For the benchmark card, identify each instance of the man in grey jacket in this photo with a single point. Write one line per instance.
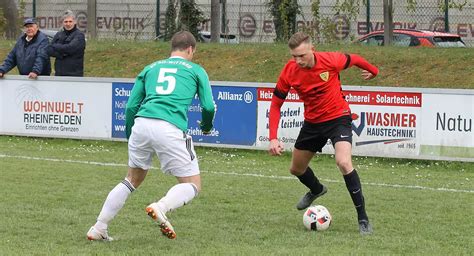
(68, 48)
(29, 53)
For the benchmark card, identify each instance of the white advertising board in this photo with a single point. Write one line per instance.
(290, 122)
(448, 125)
(388, 122)
(384, 123)
(56, 108)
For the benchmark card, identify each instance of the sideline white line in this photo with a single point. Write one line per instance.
(241, 174)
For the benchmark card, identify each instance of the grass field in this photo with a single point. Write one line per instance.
(53, 189)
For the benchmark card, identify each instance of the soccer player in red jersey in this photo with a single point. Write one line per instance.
(315, 77)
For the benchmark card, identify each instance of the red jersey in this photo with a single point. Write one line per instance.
(319, 87)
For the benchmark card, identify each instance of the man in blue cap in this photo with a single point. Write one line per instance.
(29, 53)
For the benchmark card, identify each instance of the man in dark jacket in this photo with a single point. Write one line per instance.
(29, 54)
(68, 48)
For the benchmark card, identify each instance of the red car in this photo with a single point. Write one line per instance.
(411, 37)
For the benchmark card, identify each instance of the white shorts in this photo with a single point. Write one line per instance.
(173, 147)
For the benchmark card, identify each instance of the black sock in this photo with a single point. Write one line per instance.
(355, 190)
(309, 180)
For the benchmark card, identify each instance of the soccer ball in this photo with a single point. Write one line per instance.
(317, 218)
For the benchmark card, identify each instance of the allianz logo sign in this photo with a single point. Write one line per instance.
(247, 96)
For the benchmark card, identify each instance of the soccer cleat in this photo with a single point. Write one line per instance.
(95, 235)
(165, 226)
(365, 228)
(308, 199)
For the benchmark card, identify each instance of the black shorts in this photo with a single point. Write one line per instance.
(313, 137)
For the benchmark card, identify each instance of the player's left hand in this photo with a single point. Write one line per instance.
(366, 75)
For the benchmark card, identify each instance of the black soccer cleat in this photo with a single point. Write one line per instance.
(365, 228)
(308, 198)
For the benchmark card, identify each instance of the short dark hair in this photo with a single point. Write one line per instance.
(182, 40)
(297, 39)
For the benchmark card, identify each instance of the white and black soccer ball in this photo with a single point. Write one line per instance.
(317, 218)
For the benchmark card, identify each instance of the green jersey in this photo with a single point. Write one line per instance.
(164, 90)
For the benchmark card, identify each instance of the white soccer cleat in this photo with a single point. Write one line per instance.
(165, 226)
(95, 235)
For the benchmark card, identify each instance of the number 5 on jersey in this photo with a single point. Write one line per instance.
(166, 75)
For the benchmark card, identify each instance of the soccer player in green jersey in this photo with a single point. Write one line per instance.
(156, 122)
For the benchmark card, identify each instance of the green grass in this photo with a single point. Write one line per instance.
(404, 67)
(52, 191)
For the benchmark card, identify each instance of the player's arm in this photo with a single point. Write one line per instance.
(207, 101)
(134, 101)
(369, 71)
(279, 95)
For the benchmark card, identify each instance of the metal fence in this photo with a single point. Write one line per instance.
(250, 20)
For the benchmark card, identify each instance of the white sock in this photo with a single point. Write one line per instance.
(178, 195)
(114, 202)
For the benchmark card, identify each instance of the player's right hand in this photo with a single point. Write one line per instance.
(276, 147)
(1, 74)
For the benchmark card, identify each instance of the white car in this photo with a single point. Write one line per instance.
(205, 36)
(49, 33)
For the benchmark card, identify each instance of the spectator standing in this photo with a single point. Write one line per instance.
(29, 53)
(68, 47)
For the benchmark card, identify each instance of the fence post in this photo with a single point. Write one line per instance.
(446, 15)
(34, 8)
(387, 22)
(224, 16)
(368, 16)
(91, 18)
(157, 21)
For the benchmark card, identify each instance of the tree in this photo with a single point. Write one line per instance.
(190, 17)
(215, 20)
(170, 21)
(10, 14)
(284, 14)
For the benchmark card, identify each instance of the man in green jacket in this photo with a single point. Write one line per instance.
(156, 122)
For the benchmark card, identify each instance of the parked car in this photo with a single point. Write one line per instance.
(411, 37)
(49, 33)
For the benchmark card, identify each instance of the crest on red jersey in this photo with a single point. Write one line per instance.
(324, 76)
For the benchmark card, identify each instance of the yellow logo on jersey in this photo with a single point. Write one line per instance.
(324, 76)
